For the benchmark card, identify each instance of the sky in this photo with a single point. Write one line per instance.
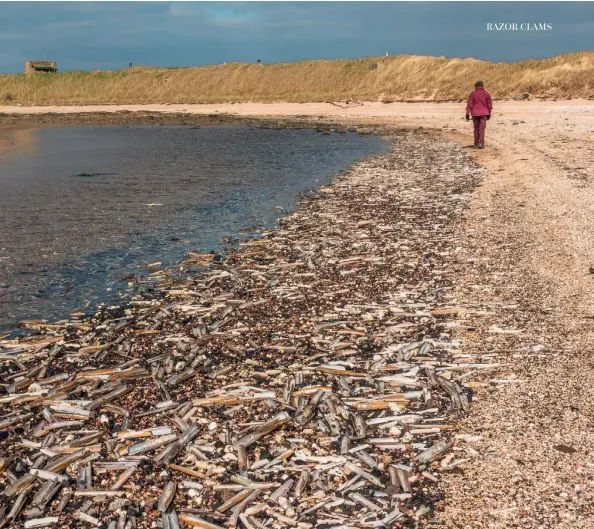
(110, 35)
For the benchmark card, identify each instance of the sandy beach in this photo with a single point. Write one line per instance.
(521, 280)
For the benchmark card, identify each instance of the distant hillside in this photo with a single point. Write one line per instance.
(403, 77)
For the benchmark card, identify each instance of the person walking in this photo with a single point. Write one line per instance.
(479, 106)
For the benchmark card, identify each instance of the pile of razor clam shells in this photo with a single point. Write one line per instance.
(307, 378)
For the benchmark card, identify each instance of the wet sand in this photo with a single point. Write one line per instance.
(8, 132)
(526, 253)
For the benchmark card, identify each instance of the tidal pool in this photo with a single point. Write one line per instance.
(82, 207)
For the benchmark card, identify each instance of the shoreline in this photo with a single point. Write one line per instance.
(363, 109)
(523, 265)
(259, 313)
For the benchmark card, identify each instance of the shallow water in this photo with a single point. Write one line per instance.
(80, 207)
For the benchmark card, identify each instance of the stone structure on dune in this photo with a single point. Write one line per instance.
(40, 67)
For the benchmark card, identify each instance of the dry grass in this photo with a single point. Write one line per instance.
(404, 77)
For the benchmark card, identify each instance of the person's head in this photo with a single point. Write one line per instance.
(478, 83)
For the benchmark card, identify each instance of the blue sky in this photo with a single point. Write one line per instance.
(109, 35)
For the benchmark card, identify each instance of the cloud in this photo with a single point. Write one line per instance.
(108, 35)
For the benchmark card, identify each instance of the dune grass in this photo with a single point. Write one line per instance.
(403, 77)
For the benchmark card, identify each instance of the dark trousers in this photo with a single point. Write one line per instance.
(480, 123)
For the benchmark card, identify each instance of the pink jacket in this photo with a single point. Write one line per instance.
(479, 102)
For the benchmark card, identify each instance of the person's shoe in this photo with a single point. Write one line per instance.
(480, 146)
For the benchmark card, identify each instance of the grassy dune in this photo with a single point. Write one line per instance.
(403, 77)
